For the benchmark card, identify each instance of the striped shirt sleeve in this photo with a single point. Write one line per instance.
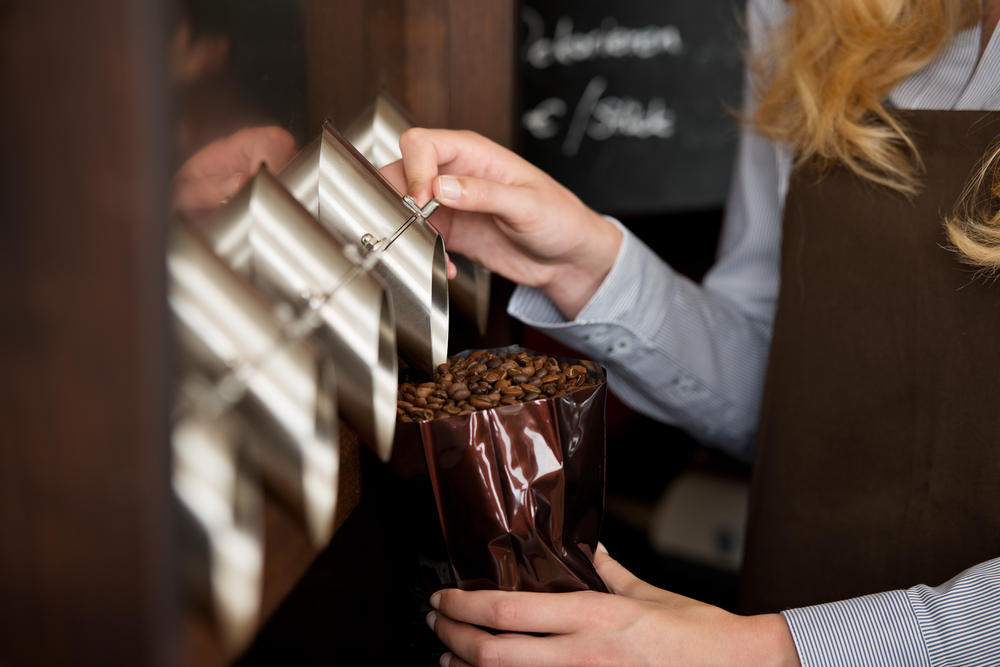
(957, 623)
(666, 343)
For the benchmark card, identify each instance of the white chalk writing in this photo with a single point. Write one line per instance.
(600, 118)
(609, 41)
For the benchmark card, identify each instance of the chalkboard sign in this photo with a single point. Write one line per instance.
(629, 103)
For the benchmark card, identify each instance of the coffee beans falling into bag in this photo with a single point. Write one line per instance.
(484, 380)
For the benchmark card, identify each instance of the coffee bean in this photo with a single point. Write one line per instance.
(484, 380)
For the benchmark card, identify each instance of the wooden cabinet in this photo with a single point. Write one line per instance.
(87, 548)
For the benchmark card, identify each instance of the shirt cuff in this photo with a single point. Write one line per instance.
(876, 630)
(618, 316)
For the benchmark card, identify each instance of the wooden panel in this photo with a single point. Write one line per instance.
(428, 78)
(483, 67)
(354, 48)
(452, 63)
(85, 552)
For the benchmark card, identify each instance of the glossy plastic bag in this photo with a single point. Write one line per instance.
(519, 489)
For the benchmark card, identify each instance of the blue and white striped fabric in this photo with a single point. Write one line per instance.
(695, 356)
(955, 624)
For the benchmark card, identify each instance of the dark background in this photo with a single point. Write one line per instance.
(700, 84)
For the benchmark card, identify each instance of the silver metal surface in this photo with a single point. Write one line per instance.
(353, 200)
(375, 133)
(268, 236)
(376, 130)
(284, 388)
(221, 523)
(470, 291)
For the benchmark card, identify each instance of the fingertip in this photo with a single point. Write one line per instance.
(448, 188)
(452, 270)
(446, 659)
(431, 619)
(603, 549)
(436, 600)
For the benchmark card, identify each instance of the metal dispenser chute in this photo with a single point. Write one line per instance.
(376, 130)
(470, 290)
(375, 133)
(361, 208)
(282, 385)
(221, 522)
(265, 234)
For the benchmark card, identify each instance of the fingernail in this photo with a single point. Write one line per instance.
(445, 660)
(432, 619)
(436, 600)
(602, 548)
(449, 188)
(233, 185)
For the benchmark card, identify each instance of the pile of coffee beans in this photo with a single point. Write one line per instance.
(484, 380)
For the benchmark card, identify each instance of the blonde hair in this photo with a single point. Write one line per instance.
(824, 79)
(974, 227)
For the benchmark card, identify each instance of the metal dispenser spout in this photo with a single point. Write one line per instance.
(283, 386)
(265, 234)
(221, 521)
(360, 208)
(375, 132)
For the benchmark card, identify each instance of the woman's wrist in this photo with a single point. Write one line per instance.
(575, 281)
(767, 642)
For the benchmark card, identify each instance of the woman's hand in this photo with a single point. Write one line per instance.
(507, 215)
(220, 169)
(639, 625)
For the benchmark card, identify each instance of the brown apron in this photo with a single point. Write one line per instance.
(877, 464)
